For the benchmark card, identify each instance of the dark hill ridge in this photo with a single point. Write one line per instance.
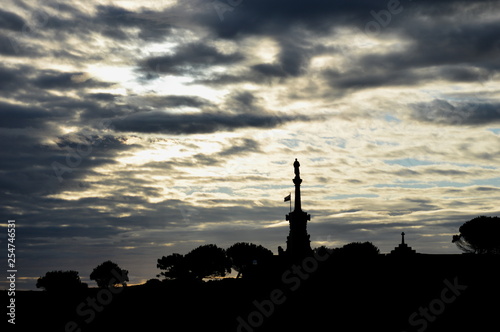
(382, 293)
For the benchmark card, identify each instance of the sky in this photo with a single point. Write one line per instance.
(131, 130)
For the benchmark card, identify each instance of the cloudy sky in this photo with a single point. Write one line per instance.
(135, 129)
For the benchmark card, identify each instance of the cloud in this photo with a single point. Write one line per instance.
(188, 58)
(10, 21)
(421, 93)
(62, 81)
(247, 145)
(198, 123)
(188, 101)
(443, 112)
(16, 116)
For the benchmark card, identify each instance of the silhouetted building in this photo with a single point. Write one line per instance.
(403, 249)
(298, 244)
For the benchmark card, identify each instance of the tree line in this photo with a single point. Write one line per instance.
(480, 235)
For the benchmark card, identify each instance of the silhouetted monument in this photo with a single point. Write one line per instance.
(403, 249)
(298, 244)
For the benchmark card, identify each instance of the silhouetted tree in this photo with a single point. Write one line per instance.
(153, 283)
(323, 251)
(175, 266)
(109, 274)
(358, 249)
(208, 261)
(204, 261)
(480, 235)
(244, 254)
(61, 282)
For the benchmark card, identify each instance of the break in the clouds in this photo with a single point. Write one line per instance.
(131, 131)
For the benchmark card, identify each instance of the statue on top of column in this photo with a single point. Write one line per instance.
(296, 165)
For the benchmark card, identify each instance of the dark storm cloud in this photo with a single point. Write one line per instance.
(240, 147)
(56, 80)
(443, 112)
(188, 57)
(31, 82)
(172, 101)
(438, 44)
(464, 74)
(102, 96)
(436, 48)
(16, 116)
(234, 147)
(153, 25)
(197, 123)
(269, 70)
(292, 61)
(244, 102)
(110, 21)
(262, 17)
(9, 79)
(189, 101)
(7, 46)
(10, 21)
(33, 173)
(357, 79)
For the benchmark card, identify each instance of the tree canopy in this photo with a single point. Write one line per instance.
(201, 262)
(109, 274)
(480, 235)
(60, 281)
(243, 254)
(359, 249)
(175, 267)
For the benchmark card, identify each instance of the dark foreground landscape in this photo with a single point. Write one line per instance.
(420, 293)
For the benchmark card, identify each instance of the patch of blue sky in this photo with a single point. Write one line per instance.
(409, 162)
(224, 190)
(291, 143)
(412, 162)
(382, 143)
(488, 182)
(495, 182)
(352, 196)
(494, 130)
(472, 165)
(450, 184)
(410, 185)
(391, 118)
(266, 187)
(336, 141)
